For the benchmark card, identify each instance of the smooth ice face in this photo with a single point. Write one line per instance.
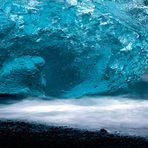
(70, 48)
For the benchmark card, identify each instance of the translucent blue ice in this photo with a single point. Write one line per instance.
(70, 48)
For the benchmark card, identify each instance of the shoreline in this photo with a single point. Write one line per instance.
(33, 135)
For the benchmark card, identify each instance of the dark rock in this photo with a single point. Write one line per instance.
(28, 135)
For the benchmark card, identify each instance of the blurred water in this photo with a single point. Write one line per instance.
(127, 114)
(115, 114)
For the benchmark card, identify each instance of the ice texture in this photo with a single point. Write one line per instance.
(71, 48)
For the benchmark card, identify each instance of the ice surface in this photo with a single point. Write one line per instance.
(70, 48)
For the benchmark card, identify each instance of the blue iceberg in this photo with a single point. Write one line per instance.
(71, 48)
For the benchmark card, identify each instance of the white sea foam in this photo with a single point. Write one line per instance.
(121, 114)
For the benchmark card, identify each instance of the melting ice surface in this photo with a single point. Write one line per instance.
(69, 48)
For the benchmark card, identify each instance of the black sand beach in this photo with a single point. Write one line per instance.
(32, 135)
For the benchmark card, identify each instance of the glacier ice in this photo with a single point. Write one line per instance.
(70, 48)
(23, 76)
